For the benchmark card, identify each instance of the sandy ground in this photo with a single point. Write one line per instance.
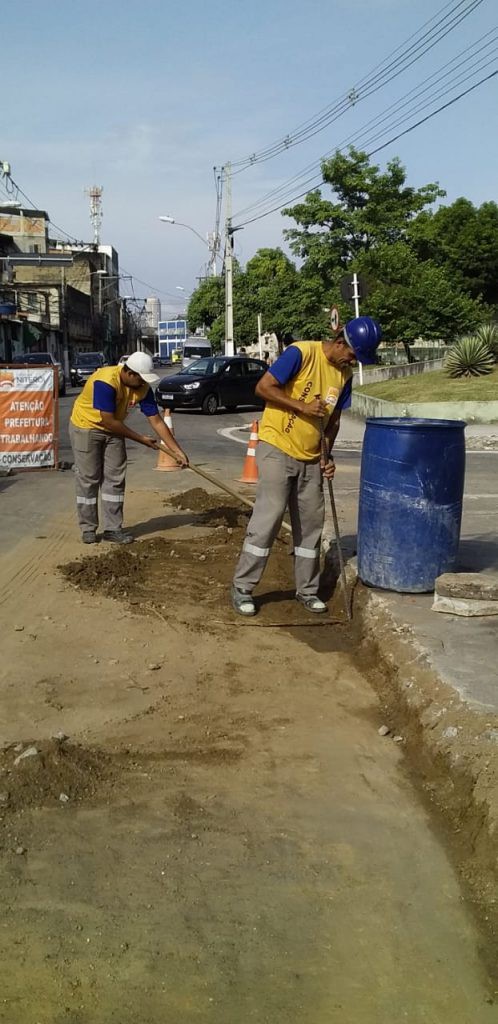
(235, 841)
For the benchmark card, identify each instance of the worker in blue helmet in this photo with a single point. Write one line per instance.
(309, 382)
(363, 335)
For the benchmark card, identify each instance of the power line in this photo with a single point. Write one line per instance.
(363, 136)
(380, 76)
(151, 287)
(394, 138)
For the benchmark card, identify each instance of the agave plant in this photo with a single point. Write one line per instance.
(470, 356)
(489, 334)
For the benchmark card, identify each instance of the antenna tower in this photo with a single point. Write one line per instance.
(95, 195)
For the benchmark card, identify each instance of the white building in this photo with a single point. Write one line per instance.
(152, 313)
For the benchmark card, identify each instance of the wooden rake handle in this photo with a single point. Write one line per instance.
(214, 480)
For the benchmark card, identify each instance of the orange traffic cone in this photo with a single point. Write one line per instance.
(250, 469)
(165, 462)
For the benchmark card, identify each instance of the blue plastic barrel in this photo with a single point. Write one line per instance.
(410, 511)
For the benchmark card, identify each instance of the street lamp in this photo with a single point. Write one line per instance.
(211, 242)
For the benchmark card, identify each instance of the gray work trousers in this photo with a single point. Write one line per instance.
(284, 481)
(99, 463)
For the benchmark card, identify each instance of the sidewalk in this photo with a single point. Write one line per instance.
(479, 436)
(463, 652)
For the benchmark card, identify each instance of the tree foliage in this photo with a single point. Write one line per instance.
(430, 274)
(372, 208)
(463, 239)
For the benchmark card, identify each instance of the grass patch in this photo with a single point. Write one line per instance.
(435, 387)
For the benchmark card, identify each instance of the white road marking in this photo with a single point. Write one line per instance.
(228, 433)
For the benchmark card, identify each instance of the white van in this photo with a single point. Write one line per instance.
(195, 348)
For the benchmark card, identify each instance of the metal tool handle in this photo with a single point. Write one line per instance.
(217, 483)
(342, 569)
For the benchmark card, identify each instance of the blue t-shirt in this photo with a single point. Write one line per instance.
(104, 399)
(288, 365)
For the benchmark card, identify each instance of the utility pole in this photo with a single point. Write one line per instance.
(229, 340)
(260, 334)
(213, 240)
(64, 325)
(356, 300)
(229, 232)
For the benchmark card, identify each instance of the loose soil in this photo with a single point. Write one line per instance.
(57, 768)
(191, 578)
(239, 843)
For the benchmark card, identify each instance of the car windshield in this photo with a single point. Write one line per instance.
(43, 358)
(191, 351)
(203, 367)
(89, 359)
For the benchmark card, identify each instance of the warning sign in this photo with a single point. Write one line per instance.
(28, 417)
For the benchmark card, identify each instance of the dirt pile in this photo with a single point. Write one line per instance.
(210, 509)
(49, 772)
(190, 578)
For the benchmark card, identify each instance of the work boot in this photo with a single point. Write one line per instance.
(117, 537)
(312, 603)
(89, 537)
(242, 602)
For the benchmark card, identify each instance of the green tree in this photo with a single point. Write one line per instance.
(267, 286)
(371, 208)
(206, 303)
(288, 299)
(464, 239)
(416, 298)
(380, 226)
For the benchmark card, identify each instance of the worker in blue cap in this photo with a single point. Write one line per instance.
(310, 382)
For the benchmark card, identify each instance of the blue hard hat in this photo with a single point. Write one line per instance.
(363, 335)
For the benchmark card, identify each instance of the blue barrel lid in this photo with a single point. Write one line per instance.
(408, 423)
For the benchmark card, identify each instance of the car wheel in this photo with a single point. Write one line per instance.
(231, 408)
(210, 405)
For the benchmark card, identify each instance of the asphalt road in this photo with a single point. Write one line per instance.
(197, 433)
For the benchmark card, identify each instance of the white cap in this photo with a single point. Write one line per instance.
(142, 364)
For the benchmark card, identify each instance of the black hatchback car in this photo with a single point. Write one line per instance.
(211, 382)
(84, 364)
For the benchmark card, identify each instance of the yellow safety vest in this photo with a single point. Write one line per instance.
(293, 432)
(86, 417)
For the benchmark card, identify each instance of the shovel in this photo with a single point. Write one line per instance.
(344, 586)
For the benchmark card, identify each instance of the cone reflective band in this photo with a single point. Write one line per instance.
(166, 463)
(250, 469)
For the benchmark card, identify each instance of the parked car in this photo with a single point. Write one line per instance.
(84, 364)
(43, 359)
(159, 360)
(209, 383)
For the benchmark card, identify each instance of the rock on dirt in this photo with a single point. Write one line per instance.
(384, 730)
(29, 752)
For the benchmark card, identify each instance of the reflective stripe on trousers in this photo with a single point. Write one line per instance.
(284, 482)
(99, 464)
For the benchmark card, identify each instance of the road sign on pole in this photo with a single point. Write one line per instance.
(334, 317)
(353, 288)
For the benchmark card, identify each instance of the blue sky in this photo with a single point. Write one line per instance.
(145, 98)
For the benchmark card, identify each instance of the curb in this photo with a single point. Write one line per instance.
(451, 746)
